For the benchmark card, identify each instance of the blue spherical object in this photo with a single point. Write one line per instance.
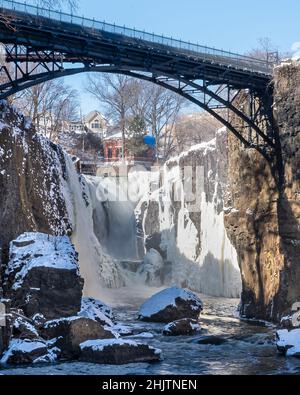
(150, 140)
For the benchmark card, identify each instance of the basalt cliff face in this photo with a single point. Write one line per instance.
(262, 220)
(32, 171)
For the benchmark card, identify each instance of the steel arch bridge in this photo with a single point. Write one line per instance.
(40, 45)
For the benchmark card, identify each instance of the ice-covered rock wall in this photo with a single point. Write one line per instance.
(184, 221)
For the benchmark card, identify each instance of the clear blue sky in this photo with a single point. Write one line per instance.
(234, 25)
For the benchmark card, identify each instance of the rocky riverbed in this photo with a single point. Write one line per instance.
(235, 347)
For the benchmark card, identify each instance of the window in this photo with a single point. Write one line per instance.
(109, 153)
(96, 125)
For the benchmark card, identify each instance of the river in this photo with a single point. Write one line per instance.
(249, 350)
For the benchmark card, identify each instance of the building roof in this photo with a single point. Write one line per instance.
(92, 115)
(114, 136)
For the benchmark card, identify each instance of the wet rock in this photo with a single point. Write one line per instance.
(118, 352)
(43, 276)
(288, 342)
(184, 327)
(212, 340)
(71, 332)
(170, 305)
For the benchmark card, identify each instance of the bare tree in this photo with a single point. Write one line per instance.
(116, 93)
(49, 105)
(163, 108)
(266, 50)
(196, 128)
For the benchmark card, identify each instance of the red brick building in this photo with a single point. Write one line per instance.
(112, 147)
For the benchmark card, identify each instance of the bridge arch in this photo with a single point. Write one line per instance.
(211, 80)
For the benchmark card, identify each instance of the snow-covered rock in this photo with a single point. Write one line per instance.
(23, 329)
(170, 305)
(184, 327)
(152, 269)
(118, 352)
(71, 332)
(27, 352)
(43, 276)
(97, 311)
(288, 342)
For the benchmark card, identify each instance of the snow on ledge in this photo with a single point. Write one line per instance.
(32, 250)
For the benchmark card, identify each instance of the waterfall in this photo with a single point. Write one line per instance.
(97, 267)
(113, 209)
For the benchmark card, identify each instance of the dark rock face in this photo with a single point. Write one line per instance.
(184, 327)
(71, 332)
(43, 276)
(31, 168)
(170, 305)
(263, 223)
(118, 352)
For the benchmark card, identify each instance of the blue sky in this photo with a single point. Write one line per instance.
(234, 25)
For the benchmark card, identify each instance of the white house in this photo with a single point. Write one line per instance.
(94, 122)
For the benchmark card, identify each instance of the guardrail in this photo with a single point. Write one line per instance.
(222, 57)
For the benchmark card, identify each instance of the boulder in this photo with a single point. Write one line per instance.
(118, 352)
(288, 342)
(71, 332)
(43, 276)
(184, 327)
(24, 352)
(212, 340)
(171, 304)
(97, 311)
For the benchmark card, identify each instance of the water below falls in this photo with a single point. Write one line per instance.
(249, 349)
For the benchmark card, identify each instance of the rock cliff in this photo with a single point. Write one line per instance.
(262, 219)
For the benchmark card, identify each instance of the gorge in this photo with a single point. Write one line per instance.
(238, 235)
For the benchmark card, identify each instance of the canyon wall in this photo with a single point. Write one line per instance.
(32, 171)
(184, 221)
(263, 221)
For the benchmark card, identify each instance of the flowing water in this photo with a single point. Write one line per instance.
(249, 349)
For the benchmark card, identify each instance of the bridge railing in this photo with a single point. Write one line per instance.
(206, 53)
